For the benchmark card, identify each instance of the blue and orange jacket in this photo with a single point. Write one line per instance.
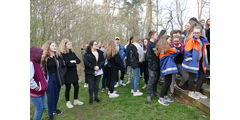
(192, 55)
(167, 64)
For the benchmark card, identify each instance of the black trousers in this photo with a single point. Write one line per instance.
(112, 77)
(145, 71)
(208, 53)
(93, 85)
(152, 81)
(68, 88)
(121, 76)
(166, 85)
(86, 81)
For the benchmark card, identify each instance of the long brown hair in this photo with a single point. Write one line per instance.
(207, 26)
(111, 50)
(162, 44)
(189, 33)
(46, 48)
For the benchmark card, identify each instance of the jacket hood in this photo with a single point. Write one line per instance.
(36, 54)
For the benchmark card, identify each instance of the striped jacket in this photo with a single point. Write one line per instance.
(192, 55)
(167, 64)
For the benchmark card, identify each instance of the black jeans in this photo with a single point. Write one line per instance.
(86, 81)
(145, 71)
(152, 81)
(200, 81)
(166, 85)
(68, 88)
(112, 77)
(93, 85)
(104, 78)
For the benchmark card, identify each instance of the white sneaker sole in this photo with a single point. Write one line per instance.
(194, 97)
(113, 96)
(162, 103)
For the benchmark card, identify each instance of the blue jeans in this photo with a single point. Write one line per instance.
(39, 105)
(136, 72)
(104, 77)
(52, 93)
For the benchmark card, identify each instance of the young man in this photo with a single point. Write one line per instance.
(123, 53)
(153, 66)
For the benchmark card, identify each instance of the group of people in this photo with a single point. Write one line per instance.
(180, 54)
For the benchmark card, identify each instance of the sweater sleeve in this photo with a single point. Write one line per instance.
(33, 84)
(77, 59)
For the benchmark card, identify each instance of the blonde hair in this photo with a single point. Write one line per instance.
(189, 33)
(111, 49)
(162, 44)
(46, 48)
(207, 25)
(62, 46)
(105, 44)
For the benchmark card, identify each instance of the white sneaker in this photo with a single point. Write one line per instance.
(113, 92)
(137, 93)
(85, 85)
(144, 86)
(133, 91)
(77, 102)
(128, 82)
(202, 96)
(69, 104)
(193, 95)
(122, 83)
(116, 85)
(113, 95)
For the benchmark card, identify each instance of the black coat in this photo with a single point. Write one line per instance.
(132, 57)
(153, 60)
(115, 63)
(90, 61)
(71, 75)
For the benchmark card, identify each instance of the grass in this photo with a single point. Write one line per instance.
(125, 107)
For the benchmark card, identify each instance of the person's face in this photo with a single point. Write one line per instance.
(188, 27)
(99, 45)
(197, 33)
(69, 45)
(169, 40)
(95, 46)
(155, 36)
(117, 41)
(53, 47)
(176, 41)
(203, 22)
(165, 33)
(208, 21)
(145, 42)
(174, 34)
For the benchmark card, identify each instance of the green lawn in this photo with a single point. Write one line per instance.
(125, 107)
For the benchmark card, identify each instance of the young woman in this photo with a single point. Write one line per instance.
(71, 76)
(114, 63)
(135, 57)
(166, 52)
(38, 84)
(144, 63)
(195, 62)
(105, 71)
(178, 60)
(53, 65)
(128, 67)
(93, 61)
(83, 51)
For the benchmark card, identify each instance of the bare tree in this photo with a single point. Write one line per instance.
(201, 5)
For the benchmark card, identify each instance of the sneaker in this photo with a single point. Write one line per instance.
(77, 102)
(113, 95)
(57, 111)
(116, 85)
(122, 83)
(194, 96)
(50, 117)
(90, 102)
(202, 96)
(133, 91)
(163, 102)
(173, 95)
(168, 99)
(180, 87)
(145, 86)
(85, 85)
(69, 104)
(113, 92)
(137, 93)
(149, 98)
(128, 82)
(103, 90)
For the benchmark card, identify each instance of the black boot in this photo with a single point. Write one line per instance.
(97, 100)
(90, 101)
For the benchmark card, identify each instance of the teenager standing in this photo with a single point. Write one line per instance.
(38, 84)
(71, 76)
(93, 61)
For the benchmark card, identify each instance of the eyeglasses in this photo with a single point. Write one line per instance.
(196, 33)
(95, 44)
